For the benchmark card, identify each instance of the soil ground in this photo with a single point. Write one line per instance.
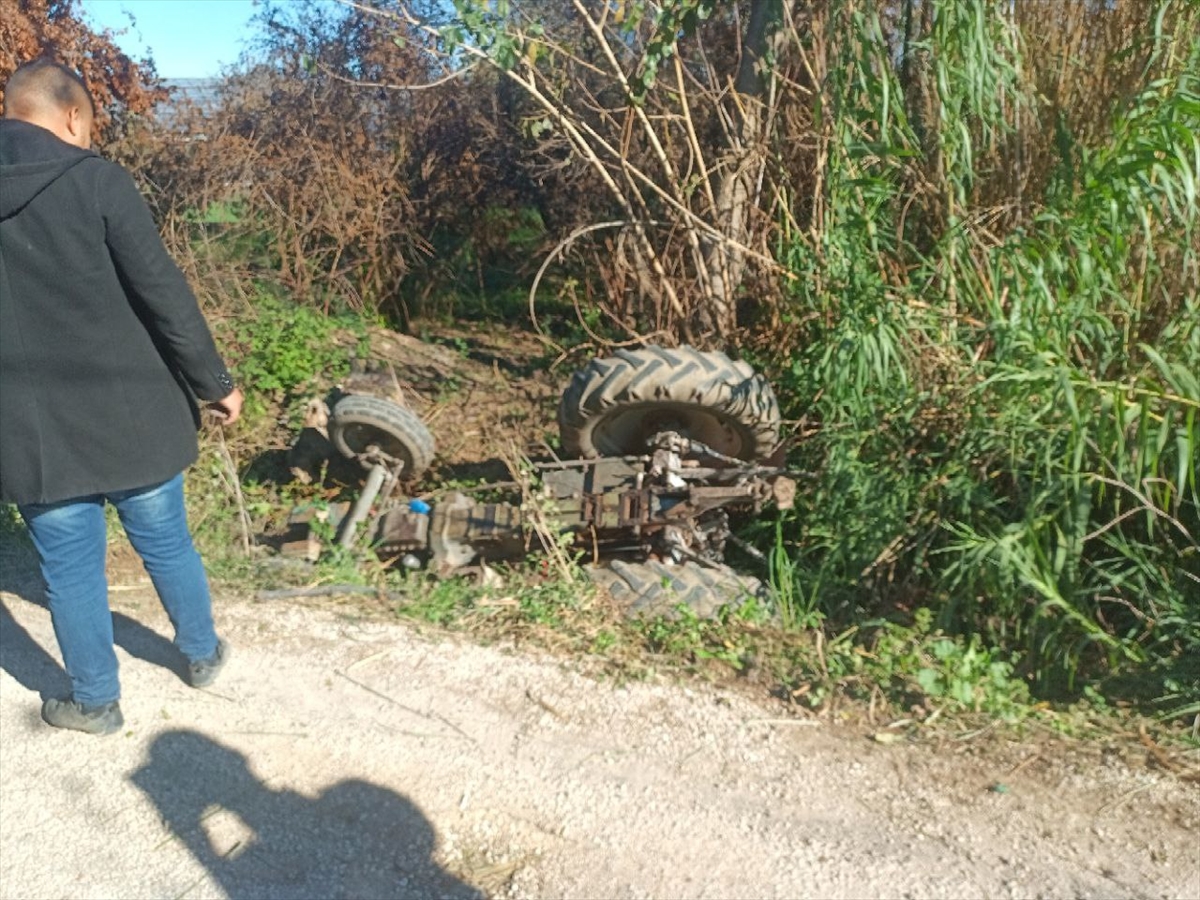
(340, 756)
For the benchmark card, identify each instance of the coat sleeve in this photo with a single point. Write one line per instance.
(157, 288)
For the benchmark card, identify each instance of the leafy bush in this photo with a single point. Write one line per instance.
(286, 350)
(1007, 417)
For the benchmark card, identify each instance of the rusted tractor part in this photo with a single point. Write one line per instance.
(452, 536)
(302, 539)
(379, 476)
(615, 406)
(649, 506)
(667, 505)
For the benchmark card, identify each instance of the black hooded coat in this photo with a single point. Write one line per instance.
(103, 348)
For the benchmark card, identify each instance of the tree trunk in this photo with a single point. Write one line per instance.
(737, 188)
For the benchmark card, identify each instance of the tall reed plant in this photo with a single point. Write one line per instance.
(1004, 386)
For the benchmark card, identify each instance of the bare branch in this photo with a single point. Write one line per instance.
(423, 86)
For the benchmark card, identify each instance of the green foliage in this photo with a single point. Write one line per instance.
(1093, 396)
(1008, 426)
(531, 601)
(481, 267)
(481, 24)
(921, 665)
(221, 212)
(288, 349)
(674, 20)
(957, 671)
(443, 602)
(687, 636)
(546, 603)
(796, 598)
(520, 230)
(10, 521)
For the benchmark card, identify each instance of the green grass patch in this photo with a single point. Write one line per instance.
(286, 350)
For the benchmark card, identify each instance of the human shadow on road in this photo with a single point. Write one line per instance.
(355, 839)
(27, 661)
(21, 656)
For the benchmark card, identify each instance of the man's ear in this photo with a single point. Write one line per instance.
(79, 127)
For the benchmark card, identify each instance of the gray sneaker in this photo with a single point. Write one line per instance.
(105, 719)
(204, 672)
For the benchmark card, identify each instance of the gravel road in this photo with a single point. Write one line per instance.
(343, 758)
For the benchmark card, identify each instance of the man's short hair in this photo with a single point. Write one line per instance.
(44, 83)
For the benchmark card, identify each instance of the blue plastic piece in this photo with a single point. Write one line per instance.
(419, 506)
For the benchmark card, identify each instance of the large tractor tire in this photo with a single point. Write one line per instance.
(653, 588)
(613, 406)
(358, 422)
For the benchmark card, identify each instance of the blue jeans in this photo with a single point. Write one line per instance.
(71, 540)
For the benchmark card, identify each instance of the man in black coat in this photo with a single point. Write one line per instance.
(103, 355)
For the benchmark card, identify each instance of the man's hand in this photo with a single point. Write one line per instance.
(228, 408)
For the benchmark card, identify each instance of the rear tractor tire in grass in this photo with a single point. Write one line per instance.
(615, 405)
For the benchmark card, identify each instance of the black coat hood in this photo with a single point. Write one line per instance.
(31, 159)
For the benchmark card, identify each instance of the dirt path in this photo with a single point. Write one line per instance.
(347, 759)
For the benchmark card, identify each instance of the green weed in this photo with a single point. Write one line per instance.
(913, 667)
(797, 601)
(11, 522)
(687, 636)
(444, 602)
(287, 350)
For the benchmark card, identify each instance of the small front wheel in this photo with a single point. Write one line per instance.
(359, 423)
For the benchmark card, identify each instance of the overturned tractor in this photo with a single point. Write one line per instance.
(662, 446)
